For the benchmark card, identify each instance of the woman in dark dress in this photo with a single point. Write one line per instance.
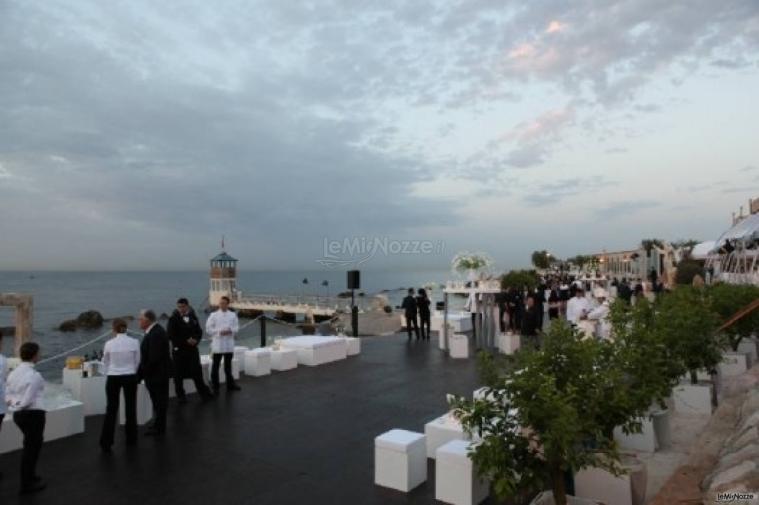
(423, 306)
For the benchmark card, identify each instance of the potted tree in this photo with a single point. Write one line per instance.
(727, 300)
(686, 325)
(548, 415)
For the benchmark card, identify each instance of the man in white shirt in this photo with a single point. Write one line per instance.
(24, 398)
(577, 307)
(222, 326)
(3, 375)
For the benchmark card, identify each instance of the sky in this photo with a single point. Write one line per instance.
(135, 134)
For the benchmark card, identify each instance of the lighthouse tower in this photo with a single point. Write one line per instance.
(223, 278)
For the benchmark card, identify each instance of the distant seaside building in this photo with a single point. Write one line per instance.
(636, 263)
(223, 278)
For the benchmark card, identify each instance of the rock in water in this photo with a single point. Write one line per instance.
(69, 325)
(90, 319)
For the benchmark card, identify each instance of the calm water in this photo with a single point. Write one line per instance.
(63, 295)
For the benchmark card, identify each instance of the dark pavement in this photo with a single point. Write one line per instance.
(302, 436)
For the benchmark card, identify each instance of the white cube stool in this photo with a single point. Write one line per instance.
(258, 362)
(400, 461)
(239, 355)
(284, 359)
(144, 406)
(442, 430)
(353, 345)
(456, 479)
(645, 441)
(206, 362)
(459, 346)
(508, 343)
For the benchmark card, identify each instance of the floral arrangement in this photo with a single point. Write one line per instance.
(466, 261)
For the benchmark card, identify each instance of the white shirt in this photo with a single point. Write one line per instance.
(216, 323)
(121, 355)
(472, 304)
(575, 307)
(601, 314)
(24, 388)
(3, 375)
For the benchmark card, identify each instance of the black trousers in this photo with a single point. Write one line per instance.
(32, 425)
(185, 367)
(114, 384)
(159, 396)
(411, 319)
(227, 368)
(424, 320)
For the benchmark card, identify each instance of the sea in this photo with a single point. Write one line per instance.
(59, 296)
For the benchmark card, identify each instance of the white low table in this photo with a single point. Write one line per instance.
(258, 362)
(315, 350)
(284, 359)
(442, 430)
(88, 390)
(64, 417)
(399, 460)
(456, 479)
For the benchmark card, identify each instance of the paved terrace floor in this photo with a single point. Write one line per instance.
(302, 436)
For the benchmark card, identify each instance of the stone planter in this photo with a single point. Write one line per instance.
(749, 346)
(546, 498)
(628, 489)
(693, 399)
(459, 346)
(734, 363)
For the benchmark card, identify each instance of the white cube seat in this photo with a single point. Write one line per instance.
(144, 406)
(456, 480)
(508, 343)
(459, 346)
(317, 350)
(352, 345)
(284, 359)
(442, 430)
(400, 460)
(206, 362)
(239, 355)
(258, 362)
(64, 417)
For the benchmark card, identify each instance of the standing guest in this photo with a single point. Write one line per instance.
(540, 299)
(516, 307)
(410, 309)
(531, 321)
(623, 291)
(222, 326)
(121, 358)
(501, 299)
(578, 307)
(185, 333)
(155, 369)
(554, 304)
(24, 397)
(564, 296)
(600, 314)
(3, 375)
(423, 305)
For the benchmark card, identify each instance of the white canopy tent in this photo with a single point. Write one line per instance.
(733, 258)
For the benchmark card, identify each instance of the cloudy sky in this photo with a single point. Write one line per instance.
(133, 134)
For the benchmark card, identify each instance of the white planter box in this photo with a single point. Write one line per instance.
(258, 362)
(144, 406)
(693, 399)
(645, 441)
(461, 322)
(400, 461)
(442, 430)
(508, 344)
(64, 417)
(456, 479)
(546, 498)
(239, 355)
(459, 346)
(284, 359)
(315, 350)
(598, 484)
(662, 429)
(88, 390)
(733, 363)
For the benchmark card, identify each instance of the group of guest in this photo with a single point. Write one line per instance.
(416, 309)
(161, 355)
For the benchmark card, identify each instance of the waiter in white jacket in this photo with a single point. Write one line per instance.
(577, 307)
(222, 326)
(24, 398)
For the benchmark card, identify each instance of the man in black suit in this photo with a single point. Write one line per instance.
(531, 322)
(409, 306)
(155, 369)
(185, 333)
